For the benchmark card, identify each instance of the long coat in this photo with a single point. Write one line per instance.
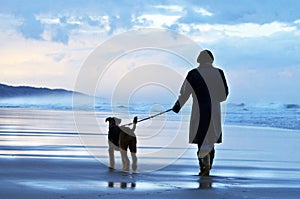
(208, 87)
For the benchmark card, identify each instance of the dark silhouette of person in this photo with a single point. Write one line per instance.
(208, 87)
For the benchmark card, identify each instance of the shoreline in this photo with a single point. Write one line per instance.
(107, 113)
(260, 127)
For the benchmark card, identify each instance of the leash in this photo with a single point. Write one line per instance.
(150, 117)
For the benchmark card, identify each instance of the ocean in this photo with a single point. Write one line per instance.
(275, 115)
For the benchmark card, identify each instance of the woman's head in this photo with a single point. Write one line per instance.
(205, 56)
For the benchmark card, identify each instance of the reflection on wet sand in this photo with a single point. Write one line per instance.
(122, 185)
(205, 182)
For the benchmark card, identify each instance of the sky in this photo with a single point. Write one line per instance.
(257, 43)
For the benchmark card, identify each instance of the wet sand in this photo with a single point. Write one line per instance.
(47, 160)
(44, 178)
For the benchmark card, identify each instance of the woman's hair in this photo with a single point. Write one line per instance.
(205, 56)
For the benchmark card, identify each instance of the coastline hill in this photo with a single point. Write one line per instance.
(7, 91)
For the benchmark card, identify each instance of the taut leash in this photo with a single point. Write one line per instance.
(147, 118)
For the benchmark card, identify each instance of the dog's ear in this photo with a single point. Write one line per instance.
(117, 120)
(108, 119)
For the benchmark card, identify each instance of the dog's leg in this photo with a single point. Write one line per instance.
(111, 154)
(134, 162)
(111, 158)
(125, 160)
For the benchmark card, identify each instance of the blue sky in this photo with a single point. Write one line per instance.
(257, 43)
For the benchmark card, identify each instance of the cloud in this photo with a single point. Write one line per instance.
(38, 18)
(57, 21)
(45, 42)
(41, 62)
(248, 30)
(169, 8)
(203, 12)
(156, 20)
(31, 28)
(276, 51)
(214, 32)
(235, 11)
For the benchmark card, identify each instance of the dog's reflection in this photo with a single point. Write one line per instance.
(122, 185)
(205, 182)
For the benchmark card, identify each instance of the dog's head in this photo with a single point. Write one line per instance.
(113, 121)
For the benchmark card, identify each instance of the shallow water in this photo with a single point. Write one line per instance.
(248, 157)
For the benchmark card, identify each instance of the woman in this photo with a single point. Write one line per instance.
(208, 87)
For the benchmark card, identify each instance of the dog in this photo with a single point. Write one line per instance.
(120, 138)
